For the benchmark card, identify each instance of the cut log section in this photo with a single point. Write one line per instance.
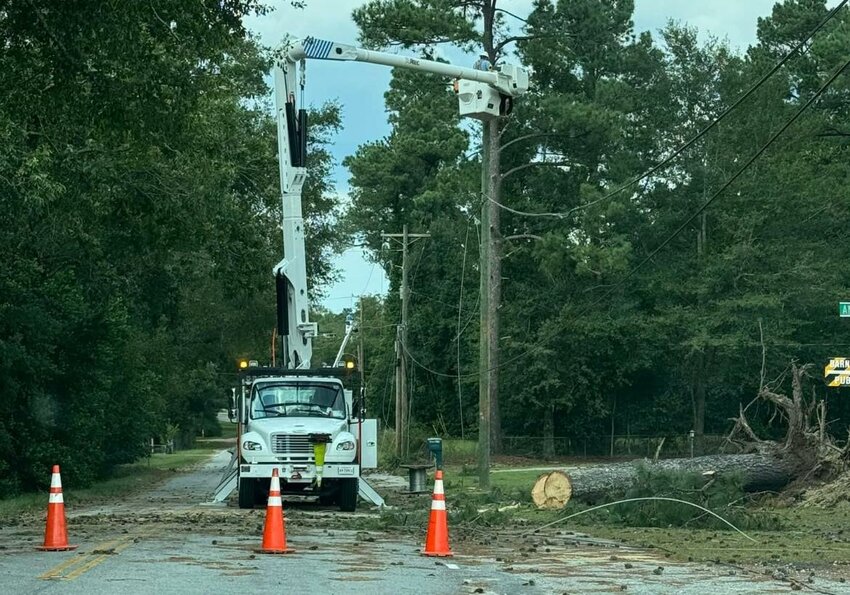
(552, 490)
(760, 472)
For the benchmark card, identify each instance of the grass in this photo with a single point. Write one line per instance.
(459, 451)
(125, 479)
(804, 536)
(515, 484)
(228, 430)
(455, 452)
(810, 536)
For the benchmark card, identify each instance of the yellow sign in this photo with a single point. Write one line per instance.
(836, 364)
(837, 372)
(841, 380)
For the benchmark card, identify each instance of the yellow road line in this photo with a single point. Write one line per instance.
(57, 570)
(95, 561)
(76, 566)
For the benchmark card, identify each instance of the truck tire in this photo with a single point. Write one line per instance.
(328, 495)
(347, 497)
(247, 492)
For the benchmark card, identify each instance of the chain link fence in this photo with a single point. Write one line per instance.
(675, 445)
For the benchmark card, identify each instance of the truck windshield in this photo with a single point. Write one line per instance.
(298, 400)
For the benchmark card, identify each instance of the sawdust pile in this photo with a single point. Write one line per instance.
(829, 494)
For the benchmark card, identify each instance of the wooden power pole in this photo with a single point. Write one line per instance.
(490, 296)
(484, 295)
(402, 398)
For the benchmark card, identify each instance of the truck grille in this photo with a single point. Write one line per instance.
(288, 444)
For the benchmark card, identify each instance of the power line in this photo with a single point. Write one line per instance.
(702, 208)
(698, 136)
(728, 182)
(546, 338)
(418, 262)
(366, 286)
(431, 298)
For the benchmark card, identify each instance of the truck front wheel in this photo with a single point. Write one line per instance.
(247, 492)
(328, 495)
(347, 498)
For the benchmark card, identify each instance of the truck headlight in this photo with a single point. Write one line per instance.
(345, 445)
(250, 445)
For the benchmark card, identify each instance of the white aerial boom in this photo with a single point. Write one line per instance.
(483, 93)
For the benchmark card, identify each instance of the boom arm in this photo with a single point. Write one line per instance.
(510, 80)
(293, 306)
(482, 94)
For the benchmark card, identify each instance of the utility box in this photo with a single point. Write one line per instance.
(369, 444)
(435, 447)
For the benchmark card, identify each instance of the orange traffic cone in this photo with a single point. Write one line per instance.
(437, 539)
(56, 534)
(274, 531)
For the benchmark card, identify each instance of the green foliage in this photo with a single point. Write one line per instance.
(139, 201)
(679, 345)
(409, 23)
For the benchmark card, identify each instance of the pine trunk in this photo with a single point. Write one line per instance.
(591, 484)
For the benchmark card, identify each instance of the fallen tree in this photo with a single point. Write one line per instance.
(590, 484)
(806, 453)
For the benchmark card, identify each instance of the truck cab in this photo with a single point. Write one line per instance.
(306, 425)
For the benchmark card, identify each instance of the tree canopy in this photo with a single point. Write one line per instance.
(590, 342)
(139, 218)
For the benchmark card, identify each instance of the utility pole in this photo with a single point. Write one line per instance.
(402, 398)
(490, 292)
(399, 426)
(484, 298)
(361, 361)
(361, 356)
(494, 300)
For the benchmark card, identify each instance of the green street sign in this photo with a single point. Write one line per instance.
(844, 309)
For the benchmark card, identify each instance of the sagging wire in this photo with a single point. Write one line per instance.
(643, 499)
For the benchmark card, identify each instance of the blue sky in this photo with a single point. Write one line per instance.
(359, 88)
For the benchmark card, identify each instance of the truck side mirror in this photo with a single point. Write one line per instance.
(358, 406)
(231, 409)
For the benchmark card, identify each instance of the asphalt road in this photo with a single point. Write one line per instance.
(163, 541)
